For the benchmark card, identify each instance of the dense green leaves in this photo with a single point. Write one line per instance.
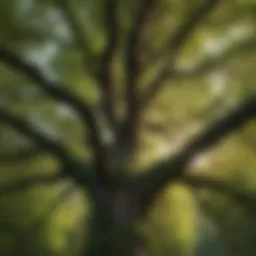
(213, 70)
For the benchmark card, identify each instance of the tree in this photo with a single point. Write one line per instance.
(129, 68)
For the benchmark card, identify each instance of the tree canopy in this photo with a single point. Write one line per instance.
(127, 127)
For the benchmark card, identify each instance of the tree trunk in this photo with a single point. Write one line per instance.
(112, 225)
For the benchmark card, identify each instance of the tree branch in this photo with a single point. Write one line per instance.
(132, 72)
(54, 90)
(81, 173)
(40, 139)
(106, 80)
(58, 93)
(152, 181)
(175, 44)
(210, 64)
(78, 32)
(26, 183)
(105, 76)
(242, 198)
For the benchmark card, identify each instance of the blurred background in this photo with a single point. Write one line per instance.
(215, 71)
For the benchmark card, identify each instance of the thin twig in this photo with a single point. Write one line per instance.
(79, 34)
(211, 64)
(175, 45)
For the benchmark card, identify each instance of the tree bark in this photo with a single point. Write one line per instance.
(112, 221)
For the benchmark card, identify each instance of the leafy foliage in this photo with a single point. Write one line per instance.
(188, 72)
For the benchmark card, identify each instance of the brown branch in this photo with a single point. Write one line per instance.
(78, 32)
(37, 137)
(106, 81)
(175, 45)
(54, 90)
(58, 93)
(105, 76)
(179, 38)
(154, 180)
(216, 185)
(80, 173)
(132, 72)
(210, 64)
(29, 182)
(244, 199)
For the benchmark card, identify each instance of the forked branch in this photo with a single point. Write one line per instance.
(37, 137)
(175, 45)
(71, 168)
(155, 179)
(58, 93)
(54, 90)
